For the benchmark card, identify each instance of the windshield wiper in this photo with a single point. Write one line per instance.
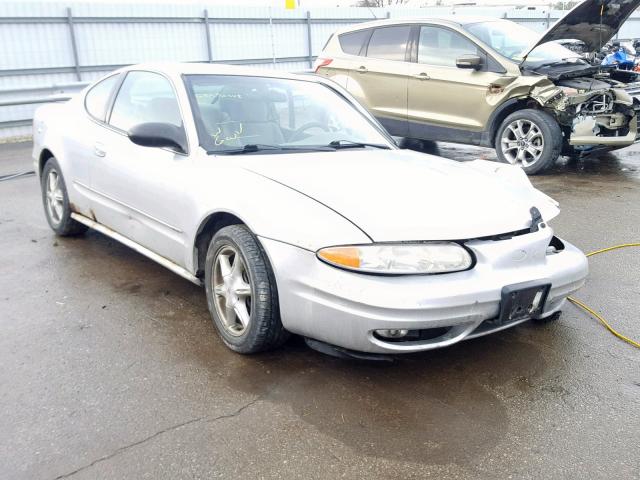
(259, 147)
(349, 144)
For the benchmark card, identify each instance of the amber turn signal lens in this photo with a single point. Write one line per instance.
(342, 256)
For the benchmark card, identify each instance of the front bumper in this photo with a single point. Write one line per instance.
(612, 142)
(345, 308)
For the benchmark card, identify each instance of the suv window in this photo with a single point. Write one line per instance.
(389, 43)
(145, 97)
(97, 99)
(352, 43)
(441, 46)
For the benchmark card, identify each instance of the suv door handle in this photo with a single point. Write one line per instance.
(421, 76)
(98, 150)
(362, 69)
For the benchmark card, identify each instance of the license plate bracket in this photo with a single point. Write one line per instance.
(523, 300)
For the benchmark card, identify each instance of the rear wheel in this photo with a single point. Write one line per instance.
(242, 293)
(530, 139)
(56, 201)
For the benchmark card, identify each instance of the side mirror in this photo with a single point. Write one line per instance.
(159, 135)
(469, 61)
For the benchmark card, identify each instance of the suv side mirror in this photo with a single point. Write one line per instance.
(159, 135)
(469, 61)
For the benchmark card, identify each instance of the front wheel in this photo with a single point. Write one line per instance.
(241, 292)
(530, 139)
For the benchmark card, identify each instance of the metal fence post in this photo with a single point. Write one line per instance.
(309, 39)
(74, 46)
(548, 19)
(388, 14)
(208, 35)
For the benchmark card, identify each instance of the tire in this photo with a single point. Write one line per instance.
(422, 146)
(554, 317)
(55, 201)
(244, 301)
(534, 154)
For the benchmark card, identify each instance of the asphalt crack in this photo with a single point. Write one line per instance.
(120, 450)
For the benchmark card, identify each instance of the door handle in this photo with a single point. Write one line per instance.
(422, 76)
(98, 150)
(362, 69)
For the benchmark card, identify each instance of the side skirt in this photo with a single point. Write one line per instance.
(425, 131)
(137, 247)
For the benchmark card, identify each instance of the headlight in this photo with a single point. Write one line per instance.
(399, 259)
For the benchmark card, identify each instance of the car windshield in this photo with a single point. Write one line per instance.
(248, 114)
(513, 41)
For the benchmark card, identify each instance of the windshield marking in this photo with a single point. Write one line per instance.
(218, 139)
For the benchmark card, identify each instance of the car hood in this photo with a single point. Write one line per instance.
(400, 195)
(595, 22)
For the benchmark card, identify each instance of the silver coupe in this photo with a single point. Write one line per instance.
(298, 213)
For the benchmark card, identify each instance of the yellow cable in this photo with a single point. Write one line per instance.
(604, 322)
(615, 247)
(596, 314)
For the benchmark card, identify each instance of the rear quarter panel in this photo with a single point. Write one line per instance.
(62, 129)
(341, 63)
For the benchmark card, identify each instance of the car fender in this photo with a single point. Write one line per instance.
(270, 210)
(46, 136)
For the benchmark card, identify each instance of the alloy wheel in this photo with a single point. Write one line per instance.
(54, 197)
(232, 290)
(522, 143)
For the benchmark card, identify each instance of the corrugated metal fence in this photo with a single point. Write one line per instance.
(57, 47)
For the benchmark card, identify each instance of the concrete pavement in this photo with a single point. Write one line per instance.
(111, 367)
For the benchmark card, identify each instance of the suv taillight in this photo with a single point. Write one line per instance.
(321, 62)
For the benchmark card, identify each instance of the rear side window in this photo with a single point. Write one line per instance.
(145, 97)
(389, 43)
(352, 43)
(97, 99)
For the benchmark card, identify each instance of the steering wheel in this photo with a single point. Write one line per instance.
(299, 131)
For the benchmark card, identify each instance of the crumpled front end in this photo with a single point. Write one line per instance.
(351, 310)
(596, 117)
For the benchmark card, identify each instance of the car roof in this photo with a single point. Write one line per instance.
(451, 20)
(176, 69)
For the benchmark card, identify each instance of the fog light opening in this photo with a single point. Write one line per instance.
(392, 333)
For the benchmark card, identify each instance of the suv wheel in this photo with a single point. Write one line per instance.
(530, 139)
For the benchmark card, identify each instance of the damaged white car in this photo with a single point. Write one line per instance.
(298, 213)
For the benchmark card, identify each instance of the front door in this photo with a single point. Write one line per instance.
(140, 192)
(444, 97)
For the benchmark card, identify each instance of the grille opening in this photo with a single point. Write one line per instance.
(555, 246)
(416, 335)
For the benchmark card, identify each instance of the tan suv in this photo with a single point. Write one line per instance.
(492, 82)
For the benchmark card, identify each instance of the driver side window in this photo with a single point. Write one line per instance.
(440, 46)
(145, 97)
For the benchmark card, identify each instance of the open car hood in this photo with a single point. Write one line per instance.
(595, 22)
